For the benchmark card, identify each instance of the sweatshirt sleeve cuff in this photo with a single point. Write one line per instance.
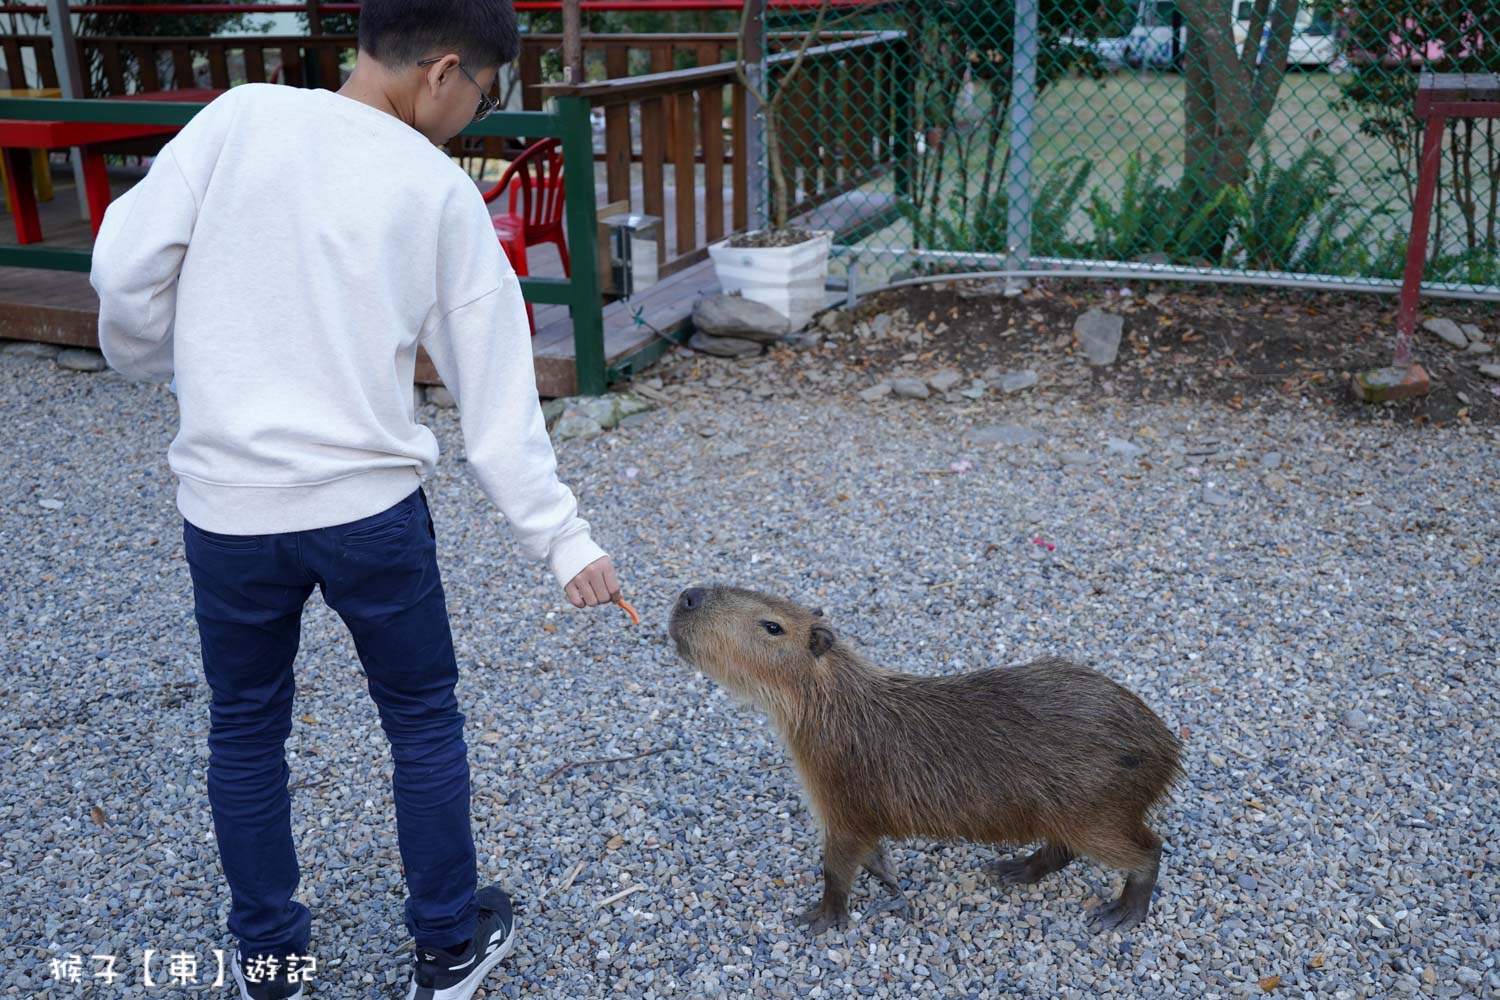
(571, 554)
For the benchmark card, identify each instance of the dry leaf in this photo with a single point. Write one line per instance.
(615, 842)
(1269, 983)
(98, 815)
(309, 720)
(549, 628)
(491, 738)
(1316, 962)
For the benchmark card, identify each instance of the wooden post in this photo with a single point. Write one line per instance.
(572, 50)
(70, 82)
(314, 18)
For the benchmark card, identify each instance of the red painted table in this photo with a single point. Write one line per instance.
(1440, 97)
(19, 138)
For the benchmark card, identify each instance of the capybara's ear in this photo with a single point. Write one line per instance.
(820, 639)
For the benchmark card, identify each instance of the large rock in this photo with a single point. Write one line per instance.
(874, 392)
(945, 380)
(1016, 381)
(738, 317)
(910, 388)
(575, 424)
(609, 411)
(1446, 330)
(1099, 333)
(724, 347)
(31, 349)
(81, 361)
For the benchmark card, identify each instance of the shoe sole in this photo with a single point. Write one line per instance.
(465, 989)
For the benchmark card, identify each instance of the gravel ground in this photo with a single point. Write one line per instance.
(1311, 602)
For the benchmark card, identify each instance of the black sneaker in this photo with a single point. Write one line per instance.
(277, 987)
(444, 975)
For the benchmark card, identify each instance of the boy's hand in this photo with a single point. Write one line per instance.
(594, 585)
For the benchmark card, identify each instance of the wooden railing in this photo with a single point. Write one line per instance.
(841, 133)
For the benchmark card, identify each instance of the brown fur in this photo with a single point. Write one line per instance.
(1047, 751)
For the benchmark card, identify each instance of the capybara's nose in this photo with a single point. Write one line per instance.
(691, 599)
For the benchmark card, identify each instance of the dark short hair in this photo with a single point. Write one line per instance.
(399, 32)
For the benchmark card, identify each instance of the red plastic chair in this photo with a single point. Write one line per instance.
(535, 182)
(512, 236)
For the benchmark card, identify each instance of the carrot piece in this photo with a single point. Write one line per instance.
(635, 619)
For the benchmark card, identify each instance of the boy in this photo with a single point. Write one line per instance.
(283, 258)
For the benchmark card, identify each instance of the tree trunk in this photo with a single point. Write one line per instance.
(1228, 97)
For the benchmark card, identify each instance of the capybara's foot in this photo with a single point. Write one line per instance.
(821, 917)
(1120, 915)
(1033, 868)
(878, 865)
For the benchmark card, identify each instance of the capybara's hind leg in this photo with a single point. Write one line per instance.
(1038, 865)
(878, 865)
(1135, 899)
(842, 857)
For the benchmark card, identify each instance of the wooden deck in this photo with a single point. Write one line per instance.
(60, 307)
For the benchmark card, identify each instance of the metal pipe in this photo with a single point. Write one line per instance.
(1056, 267)
(1018, 173)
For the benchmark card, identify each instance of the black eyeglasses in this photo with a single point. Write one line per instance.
(487, 105)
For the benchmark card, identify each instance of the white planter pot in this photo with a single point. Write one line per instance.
(788, 279)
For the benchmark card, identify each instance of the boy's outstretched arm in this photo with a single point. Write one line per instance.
(137, 257)
(482, 351)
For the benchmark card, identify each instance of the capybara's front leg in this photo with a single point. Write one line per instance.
(842, 857)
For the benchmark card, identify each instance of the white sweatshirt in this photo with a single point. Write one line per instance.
(283, 257)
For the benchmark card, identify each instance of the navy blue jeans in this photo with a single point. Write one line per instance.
(380, 575)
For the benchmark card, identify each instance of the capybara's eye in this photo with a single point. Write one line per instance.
(772, 628)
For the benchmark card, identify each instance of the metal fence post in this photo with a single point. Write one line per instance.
(1018, 172)
(69, 81)
(754, 58)
(584, 304)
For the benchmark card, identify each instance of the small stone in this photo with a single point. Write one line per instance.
(1478, 347)
(734, 316)
(1077, 458)
(910, 388)
(724, 347)
(835, 321)
(81, 361)
(1270, 460)
(575, 424)
(1007, 434)
(1446, 330)
(1355, 719)
(1016, 381)
(1385, 384)
(1248, 883)
(439, 395)
(976, 389)
(875, 392)
(1214, 498)
(50, 504)
(551, 409)
(31, 349)
(1275, 482)
(1123, 448)
(1472, 331)
(1099, 334)
(1493, 371)
(945, 380)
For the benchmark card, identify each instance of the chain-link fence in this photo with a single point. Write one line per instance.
(1222, 136)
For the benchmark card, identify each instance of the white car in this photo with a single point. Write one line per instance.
(1314, 43)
